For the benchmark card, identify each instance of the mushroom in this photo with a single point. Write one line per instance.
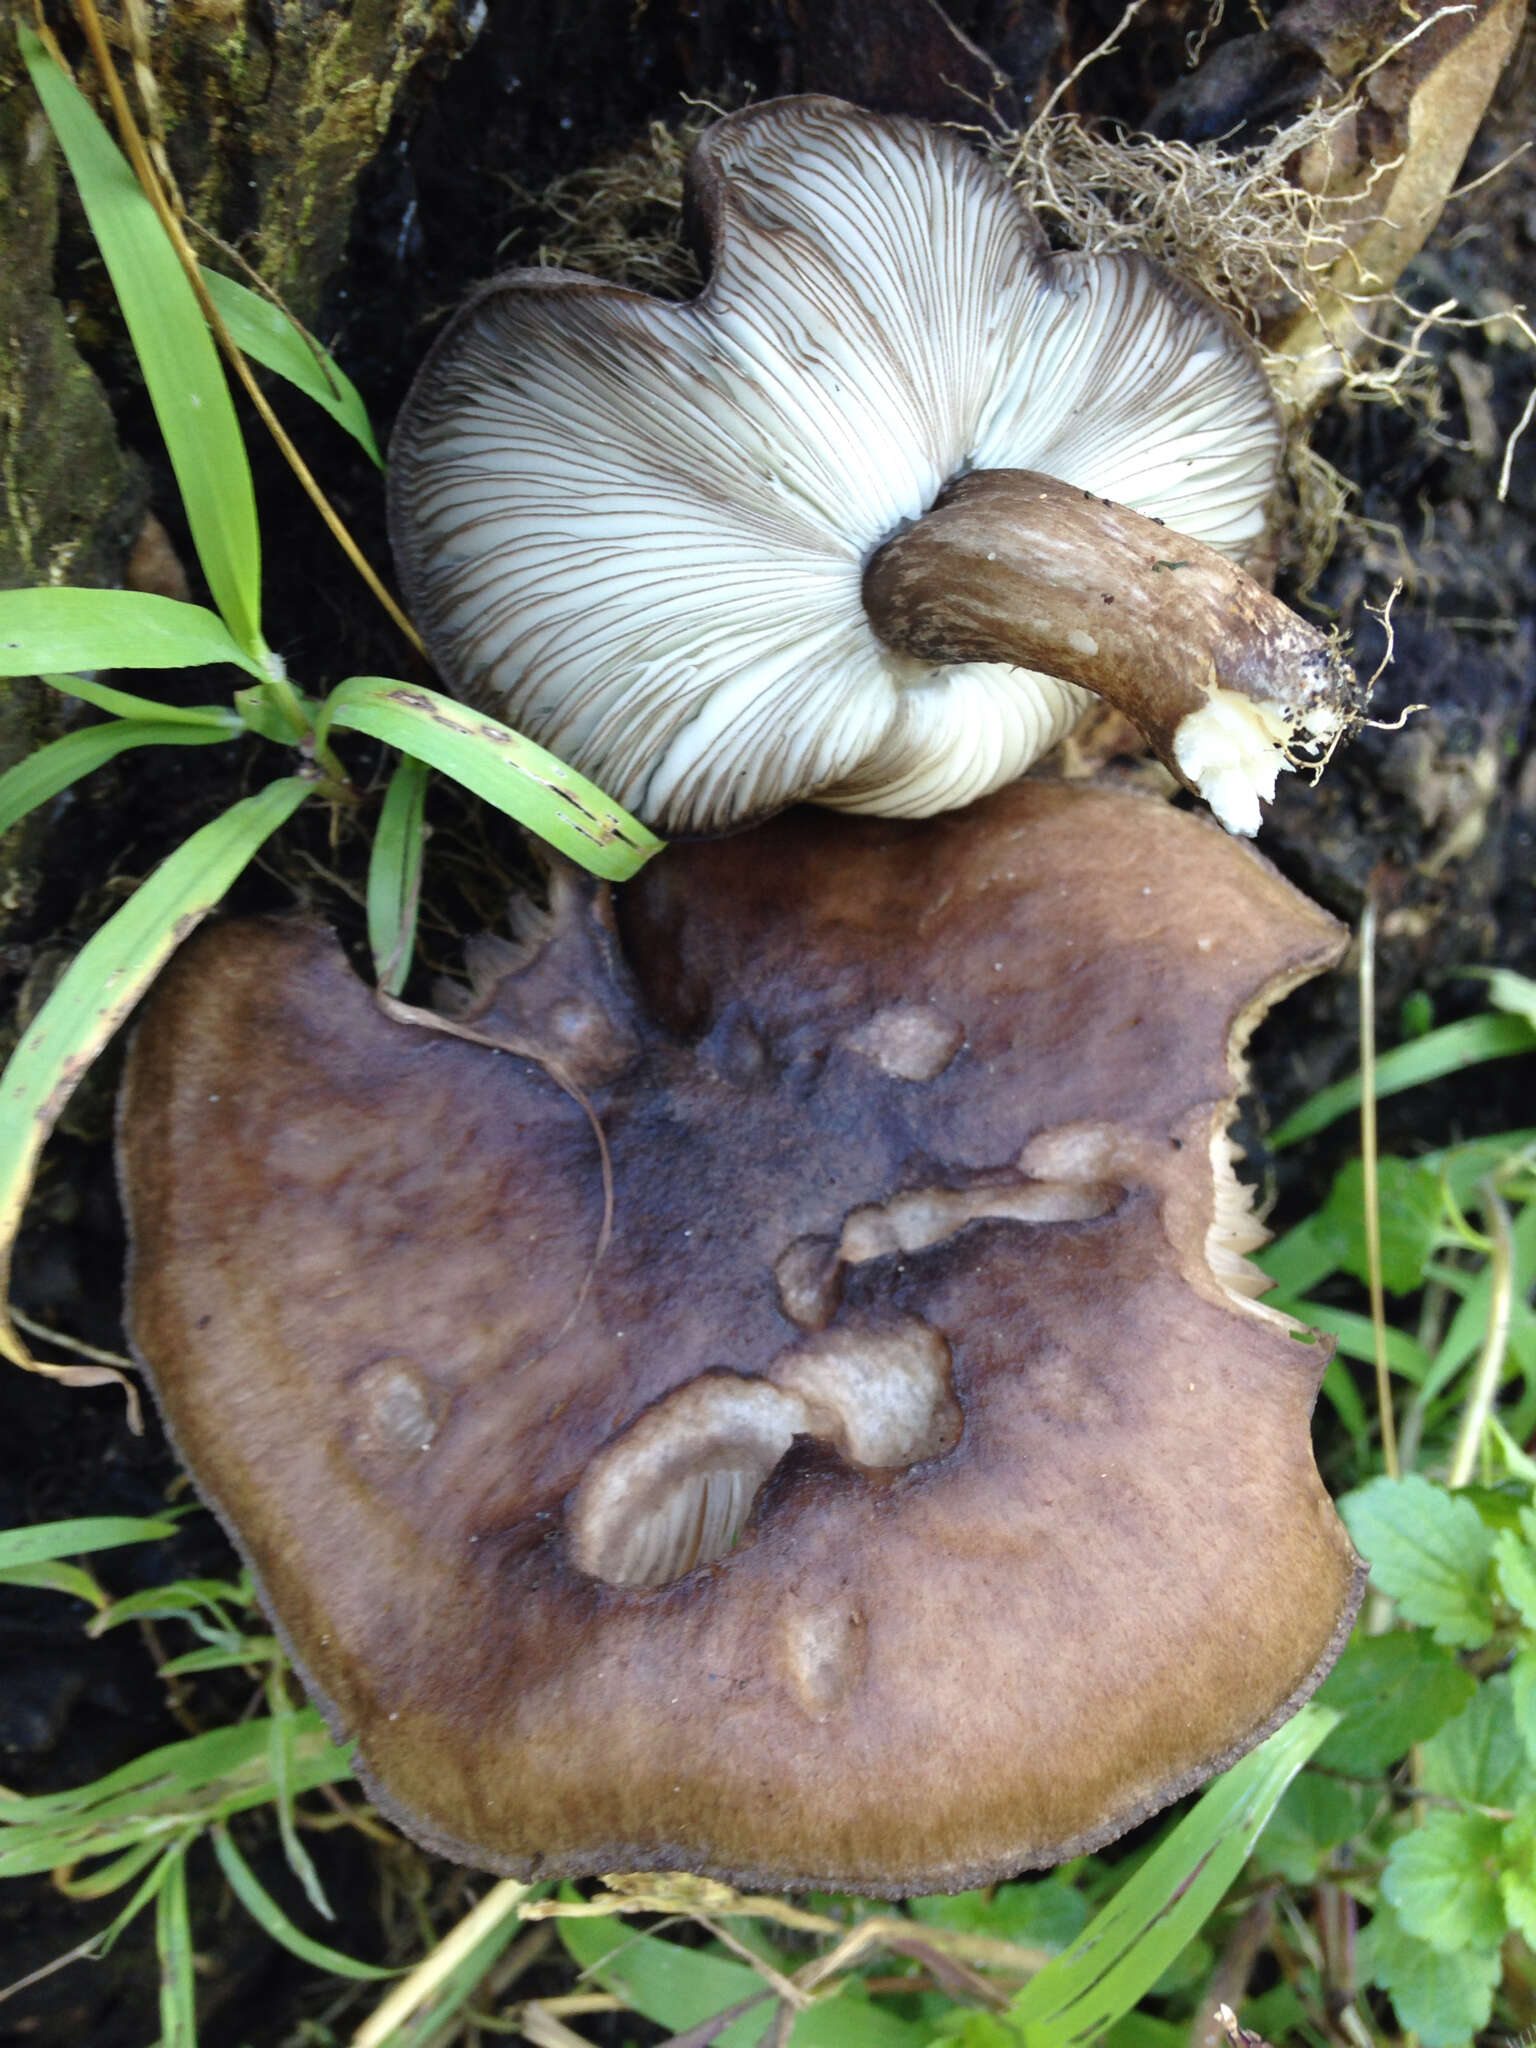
(910, 1489)
(866, 519)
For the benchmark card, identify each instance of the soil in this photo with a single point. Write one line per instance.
(1438, 821)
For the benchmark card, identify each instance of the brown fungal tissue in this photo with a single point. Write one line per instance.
(909, 1489)
(868, 520)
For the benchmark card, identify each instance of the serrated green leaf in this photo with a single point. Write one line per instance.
(1409, 1205)
(1514, 1557)
(1043, 1913)
(263, 331)
(180, 364)
(499, 765)
(1479, 1756)
(1517, 1879)
(102, 984)
(53, 631)
(1522, 1697)
(1429, 1552)
(1443, 1881)
(43, 774)
(1393, 1691)
(80, 1535)
(1314, 1815)
(1443, 1998)
(1447, 1051)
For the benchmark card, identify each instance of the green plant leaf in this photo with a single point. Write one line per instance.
(181, 366)
(263, 331)
(1517, 1873)
(1429, 1552)
(1522, 1697)
(1514, 993)
(1480, 1756)
(1431, 1058)
(1515, 1558)
(43, 774)
(1393, 1691)
(682, 1987)
(1443, 1998)
(1409, 1206)
(1443, 1881)
(173, 1941)
(181, 1786)
(394, 874)
(51, 632)
(1132, 1941)
(499, 765)
(264, 1909)
(103, 983)
(1314, 1815)
(1044, 1913)
(55, 1578)
(45, 1540)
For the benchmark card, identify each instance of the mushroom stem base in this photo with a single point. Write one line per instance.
(1014, 566)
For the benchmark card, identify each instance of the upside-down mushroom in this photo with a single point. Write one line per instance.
(908, 1488)
(866, 519)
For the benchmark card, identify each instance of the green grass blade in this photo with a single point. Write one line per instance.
(55, 1578)
(48, 1540)
(1124, 1950)
(250, 1651)
(122, 704)
(1429, 1058)
(264, 1909)
(173, 1941)
(41, 776)
(43, 632)
(269, 336)
(499, 765)
(181, 366)
(394, 874)
(280, 1758)
(103, 983)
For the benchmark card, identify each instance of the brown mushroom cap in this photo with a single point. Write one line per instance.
(901, 1500)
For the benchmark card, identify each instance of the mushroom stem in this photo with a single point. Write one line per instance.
(1227, 684)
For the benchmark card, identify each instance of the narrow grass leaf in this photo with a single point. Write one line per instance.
(110, 1877)
(181, 366)
(394, 874)
(263, 331)
(55, 630)
(264, 1909)
(497, 764)
(46, 1540)
(55, 1578)
(1355, 1336)
(280, 1764)
(251, 1650)
(42, 775)
(173, 1941)
(1132, 1941)
(103, 983)
(1431, 1058)
(122, 704)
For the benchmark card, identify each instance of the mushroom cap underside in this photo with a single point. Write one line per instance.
(911, 1136)
(638, 529)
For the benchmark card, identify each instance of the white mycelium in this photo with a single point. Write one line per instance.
(637, 530)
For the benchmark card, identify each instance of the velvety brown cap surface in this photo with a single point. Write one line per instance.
(897, 1113)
